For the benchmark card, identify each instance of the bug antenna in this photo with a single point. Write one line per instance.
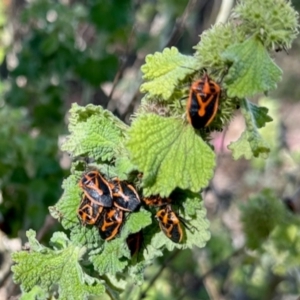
(184, 223)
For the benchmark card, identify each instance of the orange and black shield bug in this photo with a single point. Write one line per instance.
(134, 242)
(125, 196)
(203, 102)
(89, 212)
(110, 223)
(169, 223)
(156, 201)
(96, 188)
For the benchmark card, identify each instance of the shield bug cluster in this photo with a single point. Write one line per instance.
(203, 102)
(105, 202)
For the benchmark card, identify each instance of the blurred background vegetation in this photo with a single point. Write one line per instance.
(54, 53)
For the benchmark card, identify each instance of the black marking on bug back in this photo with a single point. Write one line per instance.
(197, 120)
(88, 212)
(176, 233)
(172, 231)
(97, 188)
(169, 224)
(110, 223)
(173, 228)
(104, 199)
(125, 196)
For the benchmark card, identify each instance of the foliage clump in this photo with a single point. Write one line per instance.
(162, 155)
(273, 22)
(260, 216)
(214, 42)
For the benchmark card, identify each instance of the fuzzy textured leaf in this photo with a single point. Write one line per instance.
(188, 200)
(252, 70)
(123, 166)
(35, 293)
(112, 259)
(191, 203)
(136, 221)
(283, 247)
(259, 114)
(49, 267)
(260, 215)
(251, 144)
(199, 233)
(94, 132)
(275, 23)
(170, 155)
(163, 71)
(136, 272)
(150, 250)
(241, 147)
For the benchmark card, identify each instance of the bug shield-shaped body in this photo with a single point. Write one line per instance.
(89, 212)
(169, 224)
(125, 196)
(134, 242)
(96, 188)
(203, 102)
(110, 223)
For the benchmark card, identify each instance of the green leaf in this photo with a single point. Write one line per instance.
(252, 70)
(163, 71)
(36, 293)
(114, 285)
(112, 258)
(199, 233)
(169, 154)
(190, 201)
(66, 208)
(258, 114)
(95, 133)
(260, 215)
(33, 242)
(137, 271)
(241, 147)
(251, 143)
(123, 166)
(136, 221)
(283, 246)
(149, 249)
(270, 132)
(48, 268)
